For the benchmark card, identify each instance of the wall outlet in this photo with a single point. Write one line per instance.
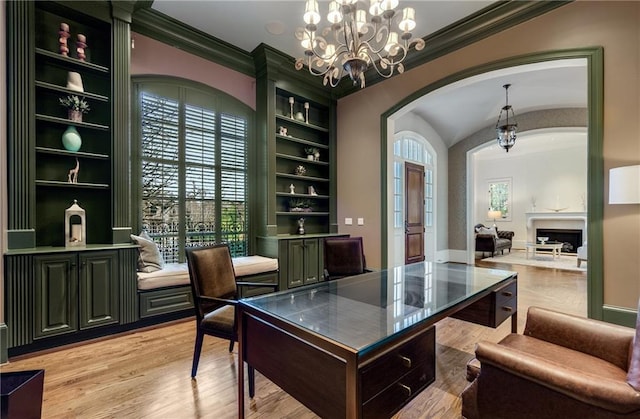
(348, 221)
(360, 221)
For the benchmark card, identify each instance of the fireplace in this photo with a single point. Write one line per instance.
(571, 239)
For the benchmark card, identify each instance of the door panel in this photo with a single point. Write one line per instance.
(56, 295)
(295, 266)
(98, 289)
(312, 261)
(414, 213)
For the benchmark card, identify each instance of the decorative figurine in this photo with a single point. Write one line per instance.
(291, 102)
(73, 173)
(292, 189)
(63, 34)
(301, 226)
(282, 130)
(312, 191)
(81, 44)
(306, 109)
(300, 170)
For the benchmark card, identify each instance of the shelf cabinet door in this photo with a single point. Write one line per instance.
(303, 262)
(312, 261)
(99, 304)
(56, 295)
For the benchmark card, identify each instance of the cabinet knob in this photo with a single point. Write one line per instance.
(405, 361)
(406, 389)
(507, 293)
(507, 308)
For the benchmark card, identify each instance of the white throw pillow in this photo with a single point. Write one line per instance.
(150, 259)
(492, 231)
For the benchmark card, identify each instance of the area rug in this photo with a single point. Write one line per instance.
(543, 260)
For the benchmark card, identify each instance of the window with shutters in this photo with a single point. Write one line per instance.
(193, 145)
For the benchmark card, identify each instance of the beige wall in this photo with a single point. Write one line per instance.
(153, 57)
(613, 25)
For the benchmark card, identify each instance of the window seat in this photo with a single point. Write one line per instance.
(174, 274)
(168, 290)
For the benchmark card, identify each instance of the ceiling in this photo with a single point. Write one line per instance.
(454, 111)
(246, 24)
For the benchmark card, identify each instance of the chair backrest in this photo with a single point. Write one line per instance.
(343, 256)
(212, 275)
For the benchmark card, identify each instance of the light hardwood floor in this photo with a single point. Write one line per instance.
(146, 374)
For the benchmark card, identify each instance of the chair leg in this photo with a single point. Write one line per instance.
(252, 381)
(196, 353)
(231, 345)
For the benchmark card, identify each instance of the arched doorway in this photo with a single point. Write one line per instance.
(456, 246)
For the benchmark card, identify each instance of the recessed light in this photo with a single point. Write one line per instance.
(275, 27)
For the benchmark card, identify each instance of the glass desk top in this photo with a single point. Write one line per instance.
(363, 310)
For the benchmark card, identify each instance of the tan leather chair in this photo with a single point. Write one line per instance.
(562, 366)
(215, 293)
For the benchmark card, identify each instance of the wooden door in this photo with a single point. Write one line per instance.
(414, 213)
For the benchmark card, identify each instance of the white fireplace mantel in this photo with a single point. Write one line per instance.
(556, 216)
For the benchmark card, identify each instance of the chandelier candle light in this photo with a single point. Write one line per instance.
(505, 130)
(358, 40)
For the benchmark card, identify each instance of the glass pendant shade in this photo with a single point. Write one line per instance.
(311, 15)
(408, 22)
(335, 14)
(375, 8)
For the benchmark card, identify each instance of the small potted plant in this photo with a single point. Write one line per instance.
(75, 106)
(312, 153)
(299, 205)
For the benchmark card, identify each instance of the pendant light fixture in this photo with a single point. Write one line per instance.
(506, 128)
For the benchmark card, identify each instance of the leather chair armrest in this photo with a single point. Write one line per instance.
(612, 395)
(597, 338)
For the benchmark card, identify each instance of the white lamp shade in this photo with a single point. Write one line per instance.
(624, 185)
(492, 214)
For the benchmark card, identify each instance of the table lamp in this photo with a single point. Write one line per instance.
(493, 214)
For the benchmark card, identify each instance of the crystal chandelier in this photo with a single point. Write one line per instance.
(505, 129)
(358, 40)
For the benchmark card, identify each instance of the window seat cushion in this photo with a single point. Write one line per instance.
(175, 274)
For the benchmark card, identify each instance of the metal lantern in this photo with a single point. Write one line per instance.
(75, 226)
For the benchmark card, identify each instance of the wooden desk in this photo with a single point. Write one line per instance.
(364, 346)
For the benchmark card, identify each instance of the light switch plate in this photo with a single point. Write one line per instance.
(348, 221)
(360, 221)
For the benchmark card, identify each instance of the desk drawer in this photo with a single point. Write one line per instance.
(389, 368)
(506, 293)
(391, 399)
(494, 308)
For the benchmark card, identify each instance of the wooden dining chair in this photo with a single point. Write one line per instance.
(215, 295)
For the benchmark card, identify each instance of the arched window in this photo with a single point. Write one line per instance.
(191, 145)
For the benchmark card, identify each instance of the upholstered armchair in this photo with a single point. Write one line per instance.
(492, 240)
(582, 254)
(562, 366)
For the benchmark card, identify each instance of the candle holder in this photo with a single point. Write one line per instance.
(306, 111)
(75, 226)
(291, 102)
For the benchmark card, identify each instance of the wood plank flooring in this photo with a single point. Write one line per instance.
(146, 374)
